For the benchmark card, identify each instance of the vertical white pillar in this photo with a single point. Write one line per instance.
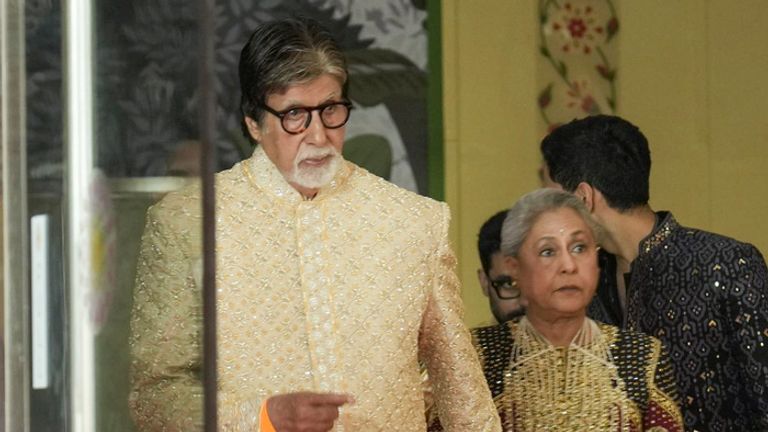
(78, 58)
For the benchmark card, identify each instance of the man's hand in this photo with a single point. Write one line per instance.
(305, 411)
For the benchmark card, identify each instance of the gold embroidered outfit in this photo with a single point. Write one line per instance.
(607, 380)
(343, 293)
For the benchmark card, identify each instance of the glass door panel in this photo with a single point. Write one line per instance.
(93, 135)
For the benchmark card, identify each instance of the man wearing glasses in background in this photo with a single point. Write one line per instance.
(503, 295)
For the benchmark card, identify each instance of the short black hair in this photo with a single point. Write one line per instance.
(489, 239)
(607, 152)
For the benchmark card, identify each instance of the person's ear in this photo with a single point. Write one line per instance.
(253, 128)
(484, 282)
(586, 193)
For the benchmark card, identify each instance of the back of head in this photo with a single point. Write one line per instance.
(607, 152)
(523, 215)
(489, 239)
(283, 53)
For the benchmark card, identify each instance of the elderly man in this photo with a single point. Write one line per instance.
(332, 283)
(704, 295)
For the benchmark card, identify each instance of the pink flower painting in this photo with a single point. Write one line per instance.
(577, 68)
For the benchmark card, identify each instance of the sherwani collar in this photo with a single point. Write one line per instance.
(264, 175)
(661, 232)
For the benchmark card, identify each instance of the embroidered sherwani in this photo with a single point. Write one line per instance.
(706, 297)
(343, 293)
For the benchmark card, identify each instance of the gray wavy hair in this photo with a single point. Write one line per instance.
(529, 207)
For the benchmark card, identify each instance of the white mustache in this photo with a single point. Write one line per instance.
(309, 152)
(312, 176)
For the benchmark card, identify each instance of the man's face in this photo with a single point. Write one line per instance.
(308, 160)
(503, 309)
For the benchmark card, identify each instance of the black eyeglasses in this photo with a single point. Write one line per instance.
(295, 120)
(505, 288)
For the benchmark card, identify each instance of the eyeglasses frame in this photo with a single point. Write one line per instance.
(319, 108)
(495, 284)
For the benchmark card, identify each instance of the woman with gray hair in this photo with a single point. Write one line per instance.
(554, 368)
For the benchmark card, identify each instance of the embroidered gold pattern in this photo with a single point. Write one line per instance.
(344, 293)
(565, 389)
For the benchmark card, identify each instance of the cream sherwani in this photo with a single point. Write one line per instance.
(343, 293)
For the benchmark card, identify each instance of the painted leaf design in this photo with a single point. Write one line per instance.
(380, 74)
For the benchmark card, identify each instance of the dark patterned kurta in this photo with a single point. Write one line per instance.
(704, 296)
(645, 371)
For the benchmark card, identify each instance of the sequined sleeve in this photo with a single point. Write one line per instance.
(748, 314)
(461, 395)
(663, 410)
(166, 391)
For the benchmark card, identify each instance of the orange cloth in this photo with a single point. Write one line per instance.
(265, 425)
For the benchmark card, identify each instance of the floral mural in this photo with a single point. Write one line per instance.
(147, 89)
(577, 66)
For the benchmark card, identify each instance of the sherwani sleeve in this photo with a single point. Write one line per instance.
(663, 410)
(166, 387)
(748, 306)
(461, 394)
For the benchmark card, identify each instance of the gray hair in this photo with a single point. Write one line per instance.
(284, 53)
(530, 207)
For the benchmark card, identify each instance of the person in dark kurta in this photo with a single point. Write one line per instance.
(703, 294)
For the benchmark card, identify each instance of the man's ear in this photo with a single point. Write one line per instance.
(484, 282)
(253, 129)
(586, 193)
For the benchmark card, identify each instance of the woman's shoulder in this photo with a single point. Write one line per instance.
(494, 343)
(633, 352)
(493, 335)
(625, 336)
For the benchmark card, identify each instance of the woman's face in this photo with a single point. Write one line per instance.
(556, 267)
